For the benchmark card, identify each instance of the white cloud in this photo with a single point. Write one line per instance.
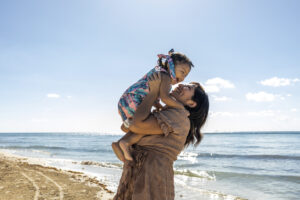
(215, 84)
(277, 82)
(223, 98)
(260, 97)
(222, 114)
(283, 96)
(53, 95)
(274, 115)
(280, 97)
(294, 110)
(38, 120)
(283, 118)
(211, 88)
(263, 113)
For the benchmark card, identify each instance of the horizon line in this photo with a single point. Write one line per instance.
(102, 133)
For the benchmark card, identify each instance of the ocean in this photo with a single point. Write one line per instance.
(240, 165)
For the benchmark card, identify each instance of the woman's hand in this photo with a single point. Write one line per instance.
(154, 82)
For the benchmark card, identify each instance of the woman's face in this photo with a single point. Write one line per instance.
(184, 93)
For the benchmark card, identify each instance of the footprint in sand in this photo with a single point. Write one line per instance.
(37, 189)
(38, 178)
(61, 194)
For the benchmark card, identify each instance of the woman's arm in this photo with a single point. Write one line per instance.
(165, 92)
(144, 122)
(149, 126)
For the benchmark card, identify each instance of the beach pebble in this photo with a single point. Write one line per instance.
(1, 187)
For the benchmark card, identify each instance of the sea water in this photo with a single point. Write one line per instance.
(246, 165)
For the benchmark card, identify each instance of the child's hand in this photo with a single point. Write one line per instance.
(158, 106)
(154, 82)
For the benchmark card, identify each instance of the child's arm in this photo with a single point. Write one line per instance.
(165, 92)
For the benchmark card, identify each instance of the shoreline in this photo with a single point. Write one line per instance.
(28, 178)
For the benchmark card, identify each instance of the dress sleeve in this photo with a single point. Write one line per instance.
(173, 120)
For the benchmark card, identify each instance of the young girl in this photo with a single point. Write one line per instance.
(173, 70)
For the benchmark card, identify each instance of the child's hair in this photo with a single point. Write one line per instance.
(198, 115)
(178, 58)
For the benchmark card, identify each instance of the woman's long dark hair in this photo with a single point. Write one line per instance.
(198, 116)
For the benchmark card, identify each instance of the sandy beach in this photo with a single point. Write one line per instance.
(22, 178)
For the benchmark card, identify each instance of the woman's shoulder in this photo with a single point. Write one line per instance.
(176, 114)
(184, 112)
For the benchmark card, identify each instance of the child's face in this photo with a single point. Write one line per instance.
(181, 71)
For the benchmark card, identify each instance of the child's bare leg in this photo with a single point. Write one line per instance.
(118, 151)
(124, 128)
(116, 146)
(125, 142)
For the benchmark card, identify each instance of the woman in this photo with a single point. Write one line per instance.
(150, 176)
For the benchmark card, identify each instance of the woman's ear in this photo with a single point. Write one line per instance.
(191, 103)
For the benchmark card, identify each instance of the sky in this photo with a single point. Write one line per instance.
(65, 64)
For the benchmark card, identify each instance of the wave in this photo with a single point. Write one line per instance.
(256, 132)
(205, 193)
(189, 156)
(221, 174)
(101, 164)
(259, 156)
(194, 173)
(214, 175)
(40, 147)
(34, 147)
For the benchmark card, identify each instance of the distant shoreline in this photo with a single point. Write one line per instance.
(112, 134)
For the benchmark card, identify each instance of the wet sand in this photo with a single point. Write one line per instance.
(24, 179)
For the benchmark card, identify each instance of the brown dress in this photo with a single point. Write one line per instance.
(150, 176)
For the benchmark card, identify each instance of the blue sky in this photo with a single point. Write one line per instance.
(64, 64)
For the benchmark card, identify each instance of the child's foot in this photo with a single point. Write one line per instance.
(118, 151)
(124, 129)
(125, 148)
